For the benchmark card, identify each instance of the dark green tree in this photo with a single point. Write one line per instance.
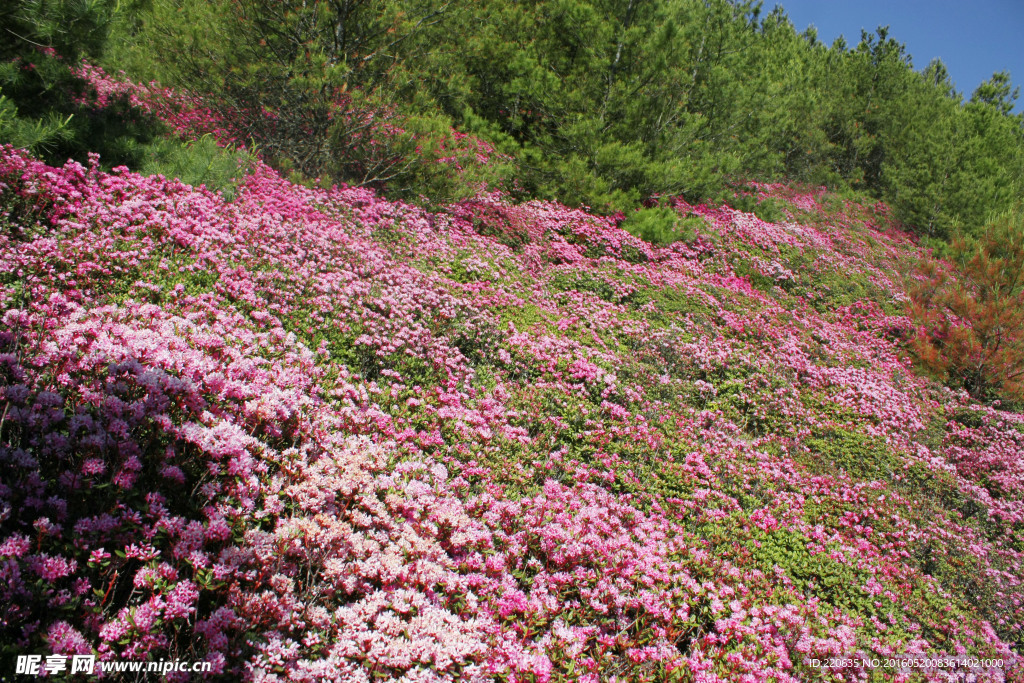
(40, 98)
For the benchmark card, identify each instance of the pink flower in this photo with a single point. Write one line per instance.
(65, 639)
(181, 600)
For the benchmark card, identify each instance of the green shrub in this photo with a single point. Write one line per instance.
(564, 282)
(201, 162)
(662, 225)
(768, 210)
(860, 455)
(38, 135)
(818, 574)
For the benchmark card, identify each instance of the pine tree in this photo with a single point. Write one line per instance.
(971, 327)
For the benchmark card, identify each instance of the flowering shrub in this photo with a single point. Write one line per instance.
(184, 114)
(318, 435)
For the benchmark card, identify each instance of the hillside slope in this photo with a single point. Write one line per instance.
(312, 434)
(318, 435)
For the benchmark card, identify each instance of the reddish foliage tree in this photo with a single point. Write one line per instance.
(970, 328)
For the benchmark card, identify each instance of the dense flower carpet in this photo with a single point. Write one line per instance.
(315, 435)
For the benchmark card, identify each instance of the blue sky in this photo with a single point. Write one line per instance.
(973, 38)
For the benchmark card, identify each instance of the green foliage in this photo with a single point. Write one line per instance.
(836, 288)
(662, 225)
(767, 210)
(674, 305)
(39, 104)
(321, 87)
(861, 456)
(758, 280)
(818, 282)
(415, 157)
(601, 98)
(202, 162)
(72, 28)
(563, 282)
(179, 270)
(817, 573)
(38, 135)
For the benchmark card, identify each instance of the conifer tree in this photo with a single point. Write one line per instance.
(971, 329)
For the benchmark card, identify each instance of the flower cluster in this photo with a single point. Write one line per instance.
(184, 113)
